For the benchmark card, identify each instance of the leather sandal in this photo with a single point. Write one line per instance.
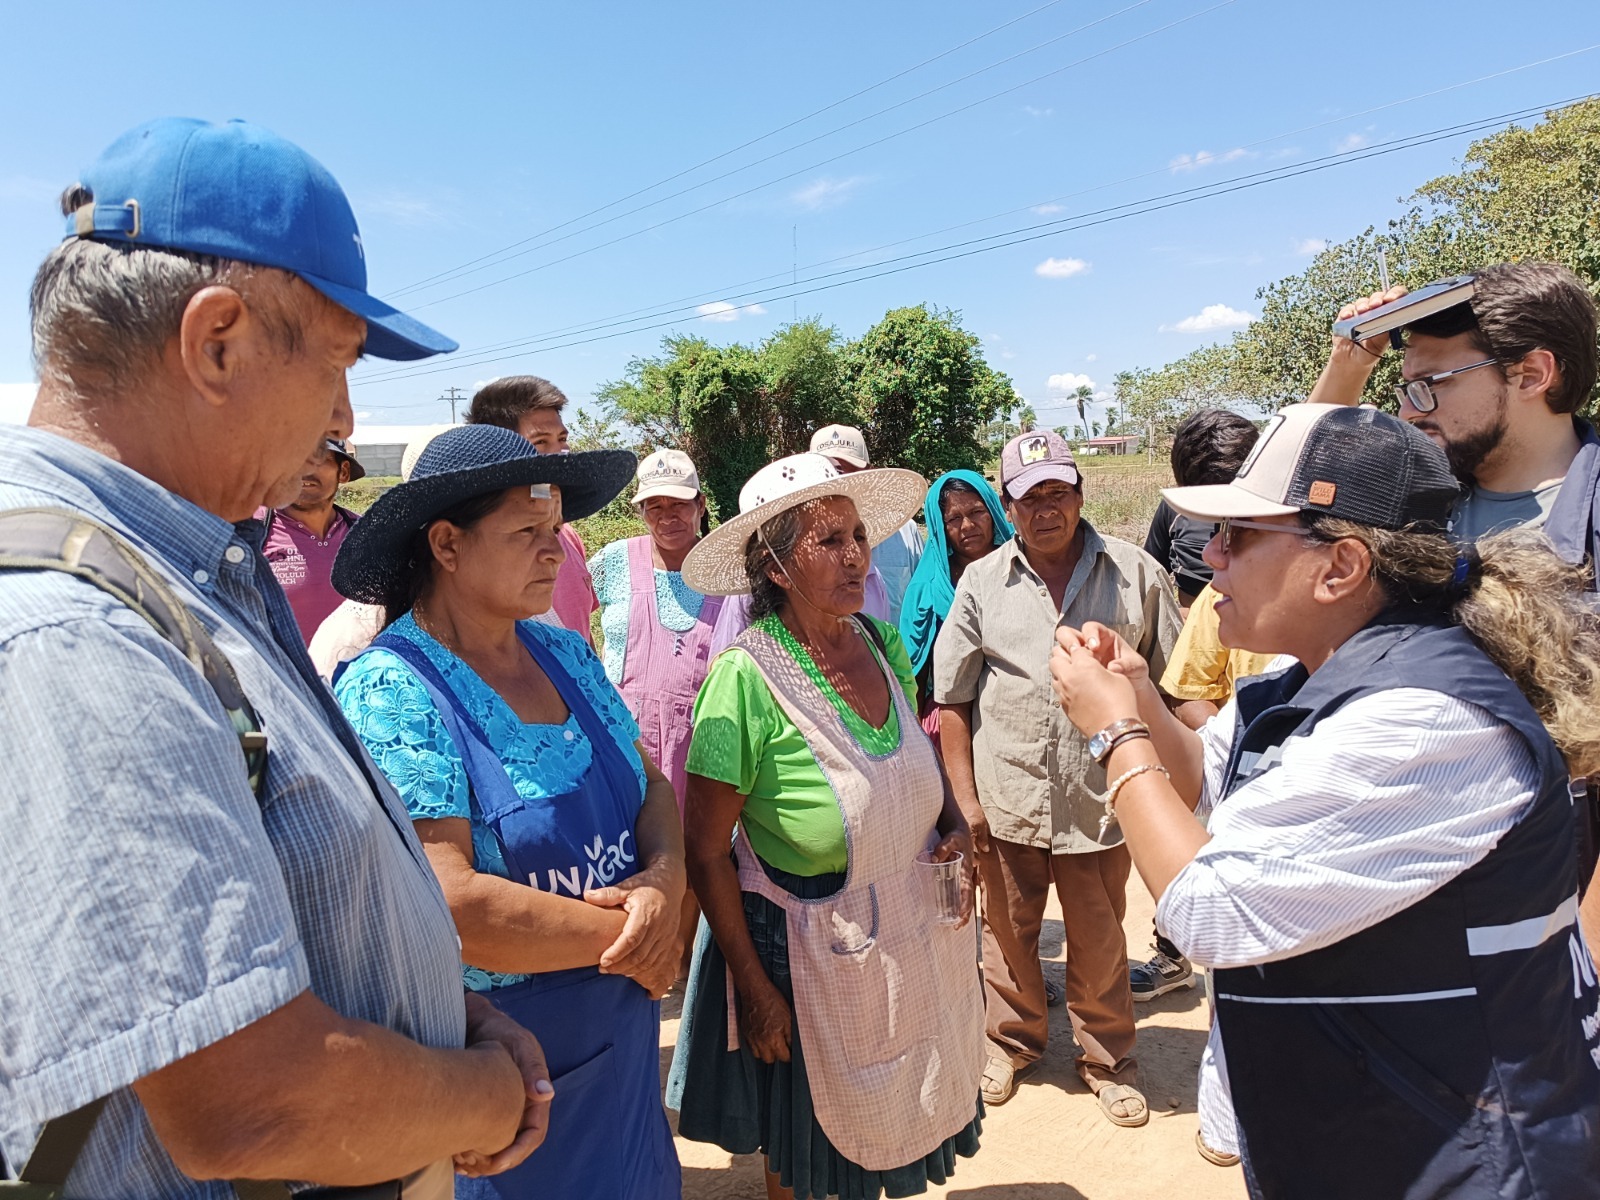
(1113, 1093)
(1000, 1079)
(1217, 1158)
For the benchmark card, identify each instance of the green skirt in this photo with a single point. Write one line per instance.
(734, 1100)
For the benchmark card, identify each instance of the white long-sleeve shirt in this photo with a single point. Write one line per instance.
(1389, 799)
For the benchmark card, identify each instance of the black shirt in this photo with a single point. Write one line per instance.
(1177, 542)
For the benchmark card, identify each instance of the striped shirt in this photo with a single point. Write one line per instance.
(153, 907)
(1393, 796)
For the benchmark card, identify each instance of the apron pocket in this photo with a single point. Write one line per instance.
(585, 1116)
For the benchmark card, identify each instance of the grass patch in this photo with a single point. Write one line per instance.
(1120, 494)
(363, 493)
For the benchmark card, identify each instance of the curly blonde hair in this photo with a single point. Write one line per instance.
(1527, 609)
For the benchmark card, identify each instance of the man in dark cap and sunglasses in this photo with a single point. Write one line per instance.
(1497, 381)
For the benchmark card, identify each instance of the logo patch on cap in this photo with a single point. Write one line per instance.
(1322, 492)
(1035, 449)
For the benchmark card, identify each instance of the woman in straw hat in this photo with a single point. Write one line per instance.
(850, 1048)
(657, 628)
(555, 838)
(1387, 890)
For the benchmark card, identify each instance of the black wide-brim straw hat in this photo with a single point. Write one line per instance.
(463, 462)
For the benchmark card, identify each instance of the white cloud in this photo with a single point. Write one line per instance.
(363, 416)
(1068, 382)
(1061, 268)
(404, 209)
(1309, 246)
(1210, 319)
(1046, 210)
(1351, 141)
(479, 384)
(721, 310)
(1037, 112)
(826, 193)
(1090, 357)
(15, 401)
(1205, 158)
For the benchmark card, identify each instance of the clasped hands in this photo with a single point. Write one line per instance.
(1097, 676)
(647, 949)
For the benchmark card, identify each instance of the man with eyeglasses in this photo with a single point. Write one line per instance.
(1497, 382)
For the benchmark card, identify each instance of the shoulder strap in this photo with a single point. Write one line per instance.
(876, 638)
(52, 539)
(49, 539)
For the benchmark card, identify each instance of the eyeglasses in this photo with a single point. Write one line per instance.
(1227, 525)
(1419, 393)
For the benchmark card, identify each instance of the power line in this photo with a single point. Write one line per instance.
(771, 133)
(1050, 229)
(717, 203)
(661, 308)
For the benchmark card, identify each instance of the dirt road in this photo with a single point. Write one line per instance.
(1050, 1142)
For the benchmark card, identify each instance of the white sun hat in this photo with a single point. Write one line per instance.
(886, 498)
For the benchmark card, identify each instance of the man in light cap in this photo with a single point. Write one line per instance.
(896, 559)
(226, 956)
(1029, 784)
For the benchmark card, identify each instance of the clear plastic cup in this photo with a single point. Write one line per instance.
(944, 881)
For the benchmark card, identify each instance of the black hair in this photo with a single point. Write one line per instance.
(504, 402)
(1210, 446)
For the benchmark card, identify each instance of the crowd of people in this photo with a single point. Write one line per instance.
(341, 859)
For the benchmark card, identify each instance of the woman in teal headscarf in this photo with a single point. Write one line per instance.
(965, 521)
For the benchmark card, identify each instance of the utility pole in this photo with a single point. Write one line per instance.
(453, 395)
(794, 267)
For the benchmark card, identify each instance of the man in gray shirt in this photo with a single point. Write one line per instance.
(255, 971)
(1497, 381)
(1025, 779)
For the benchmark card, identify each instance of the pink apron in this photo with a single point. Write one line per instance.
(889, 1003)
(661, 670)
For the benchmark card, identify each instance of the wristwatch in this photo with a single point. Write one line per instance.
(1103, 743)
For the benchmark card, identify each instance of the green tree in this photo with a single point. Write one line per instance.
(922, 387)
(1521, 195)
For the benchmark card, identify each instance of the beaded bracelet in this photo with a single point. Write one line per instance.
(1116, 787)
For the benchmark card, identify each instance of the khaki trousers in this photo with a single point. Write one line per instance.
(1092, 889)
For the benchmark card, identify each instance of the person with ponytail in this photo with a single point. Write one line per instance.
(1386, 887)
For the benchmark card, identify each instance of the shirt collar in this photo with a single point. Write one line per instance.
(1093, 546)
(179, 532)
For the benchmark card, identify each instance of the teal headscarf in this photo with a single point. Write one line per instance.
(930, 593)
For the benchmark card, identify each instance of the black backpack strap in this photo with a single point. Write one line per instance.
(871, 630)
(51, 539)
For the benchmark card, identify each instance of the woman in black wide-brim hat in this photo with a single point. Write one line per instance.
(555, 838)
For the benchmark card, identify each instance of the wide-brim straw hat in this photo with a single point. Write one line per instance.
(462, 462)
(885, 497)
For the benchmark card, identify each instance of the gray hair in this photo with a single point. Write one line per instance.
(102, 312)
(775, 542)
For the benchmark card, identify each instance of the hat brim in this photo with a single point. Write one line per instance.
(1220, 501)
(390, 333)
(673, 491)
(1028, 478)
(357, 471)
(886, 498)
(372, 557)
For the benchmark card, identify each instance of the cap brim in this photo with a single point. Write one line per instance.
(673, 491)
(1217, 501)
(390, 333)
(357, 471)
(886, 498)
(859, 464)
(1038, 474)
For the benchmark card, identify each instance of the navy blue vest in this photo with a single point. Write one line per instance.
(1449, 1050)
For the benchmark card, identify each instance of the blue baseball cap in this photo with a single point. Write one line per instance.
(236, 190)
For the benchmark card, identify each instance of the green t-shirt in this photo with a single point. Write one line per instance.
(742, 737)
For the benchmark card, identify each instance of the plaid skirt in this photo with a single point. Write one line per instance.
(734, 1100)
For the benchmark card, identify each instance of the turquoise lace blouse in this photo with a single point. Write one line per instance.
(677, 604)
(396, 719)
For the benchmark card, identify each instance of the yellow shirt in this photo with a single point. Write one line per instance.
(1200, 666)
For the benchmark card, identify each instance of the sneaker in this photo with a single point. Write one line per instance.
(1159, 976)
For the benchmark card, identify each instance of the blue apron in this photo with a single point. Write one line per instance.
(608, 1135)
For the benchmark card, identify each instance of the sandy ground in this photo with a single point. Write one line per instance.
(1050, 1142)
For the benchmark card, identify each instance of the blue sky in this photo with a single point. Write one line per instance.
(461, 130)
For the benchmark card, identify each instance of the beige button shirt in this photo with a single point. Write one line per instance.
(1036, 781)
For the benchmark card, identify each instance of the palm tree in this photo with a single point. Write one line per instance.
(1083, 393)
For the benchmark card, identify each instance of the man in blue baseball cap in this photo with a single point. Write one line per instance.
(226, 956)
